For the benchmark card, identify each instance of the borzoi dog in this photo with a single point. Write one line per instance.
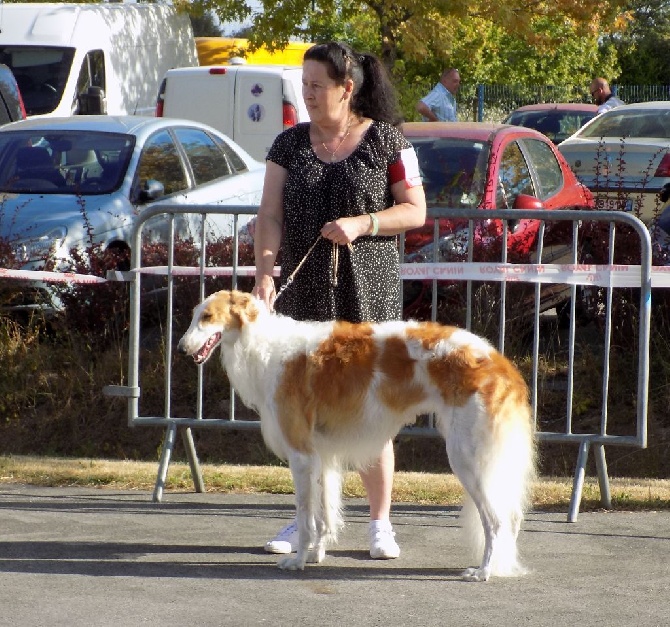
(330, 394)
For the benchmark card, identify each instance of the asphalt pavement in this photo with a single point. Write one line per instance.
(104, 557)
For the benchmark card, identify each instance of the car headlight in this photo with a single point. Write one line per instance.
(449, 247)
(39, 248)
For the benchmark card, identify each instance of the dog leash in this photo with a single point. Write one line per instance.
(336, 259)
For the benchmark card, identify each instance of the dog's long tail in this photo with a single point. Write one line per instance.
(498, 482)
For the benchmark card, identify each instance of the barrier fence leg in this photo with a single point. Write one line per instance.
(578, 483)
(192, 456)
(168, 446)
(603, 479)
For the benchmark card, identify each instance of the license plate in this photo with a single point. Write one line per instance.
(614, 204)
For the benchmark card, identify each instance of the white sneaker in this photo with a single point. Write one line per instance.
(382, 541)
(286, 541)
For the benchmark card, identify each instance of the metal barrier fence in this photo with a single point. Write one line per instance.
(569, 273)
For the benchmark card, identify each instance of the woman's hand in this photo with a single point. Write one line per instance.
(265, 291)
(343, 231)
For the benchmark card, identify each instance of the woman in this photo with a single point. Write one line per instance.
(350, 177)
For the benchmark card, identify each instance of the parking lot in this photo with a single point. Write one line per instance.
(104, 557)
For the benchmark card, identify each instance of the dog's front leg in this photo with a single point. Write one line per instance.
(306, 471)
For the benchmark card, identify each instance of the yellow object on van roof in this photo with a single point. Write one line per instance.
(220, 51)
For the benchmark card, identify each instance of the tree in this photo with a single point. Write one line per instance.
(643, 48)
(419, 22)
(205, 25)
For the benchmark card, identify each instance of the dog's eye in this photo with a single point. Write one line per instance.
(206, 316)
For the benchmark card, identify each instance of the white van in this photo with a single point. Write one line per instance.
(251, 104)
(93, 58)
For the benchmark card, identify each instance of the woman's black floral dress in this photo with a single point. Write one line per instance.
(316, 192)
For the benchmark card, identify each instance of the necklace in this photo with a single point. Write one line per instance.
(333, 153)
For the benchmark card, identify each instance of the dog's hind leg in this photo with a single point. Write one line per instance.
(482, 528)
(306, 471)
(477, 518)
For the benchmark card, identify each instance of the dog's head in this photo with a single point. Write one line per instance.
(222, 314)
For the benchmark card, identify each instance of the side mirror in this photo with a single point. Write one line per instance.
(92, 102)
(664, 194)
(525, 201)
(152, 190)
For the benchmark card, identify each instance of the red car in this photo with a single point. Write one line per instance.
(489, 166)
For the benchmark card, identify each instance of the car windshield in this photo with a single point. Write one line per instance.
(556, 125)
(453, 170)
(63, 162)
(626, 123)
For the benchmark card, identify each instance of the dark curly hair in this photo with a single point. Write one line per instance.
(374, 95)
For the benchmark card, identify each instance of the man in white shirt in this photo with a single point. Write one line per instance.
(440, 104)
(602, 95)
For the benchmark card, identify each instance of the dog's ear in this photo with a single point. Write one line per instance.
(231, 309)
(244, 307)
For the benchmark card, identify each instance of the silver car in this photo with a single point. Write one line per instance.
(72, 182)
(623, 157)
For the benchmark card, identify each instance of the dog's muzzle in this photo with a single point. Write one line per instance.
(205, 351)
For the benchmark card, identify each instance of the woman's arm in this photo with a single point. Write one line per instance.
(408, 212)
(268, 231)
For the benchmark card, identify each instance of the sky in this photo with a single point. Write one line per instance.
(230, 28)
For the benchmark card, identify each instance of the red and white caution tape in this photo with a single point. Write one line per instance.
(195, 271)
(50, 277)
(571, 274)
(577, 274)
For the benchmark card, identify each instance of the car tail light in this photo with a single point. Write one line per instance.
(22, 105)
(289, 114)
(217, 70)
(663, 169)
(160, 99)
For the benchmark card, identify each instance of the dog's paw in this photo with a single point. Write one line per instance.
(316, 554)
(476, 574)
(291, 562)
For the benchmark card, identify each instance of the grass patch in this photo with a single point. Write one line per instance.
(549, 494)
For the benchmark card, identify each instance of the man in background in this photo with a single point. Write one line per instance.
(440, 103)
(603, 96)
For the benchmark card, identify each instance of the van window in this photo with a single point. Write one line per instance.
(160, 161)
(203, 154)
(41, 72)
(91, 74)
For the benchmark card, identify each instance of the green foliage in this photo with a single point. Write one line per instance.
(556, 54)
(545, 42)
(550, 54)
(356, 27)
(225, 10)
(643, 47)
(205, 25)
